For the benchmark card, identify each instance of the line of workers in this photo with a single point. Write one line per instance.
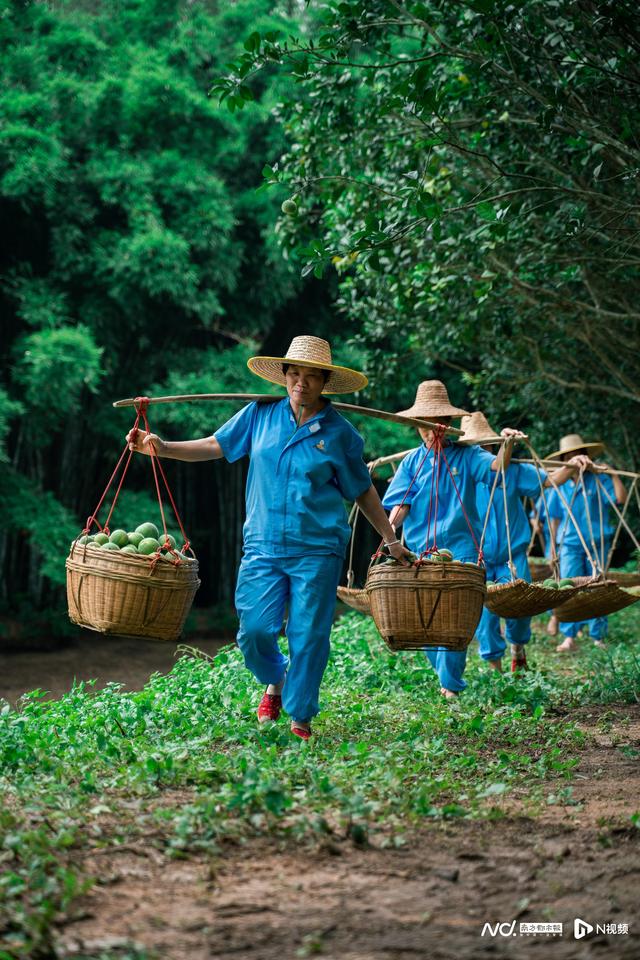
(305, 460)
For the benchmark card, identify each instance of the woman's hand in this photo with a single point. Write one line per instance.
(141, 442)
(400, 553)
(510, 434)
(582, 462)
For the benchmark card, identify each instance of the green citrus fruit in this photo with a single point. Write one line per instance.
(135, 538)
(148, 546)
(148, 530)
(119, 537)
(129, 548)
(100, 538)
(109, 546)
(566, 582)
(172, 541)
(84, 539)
(290, 207)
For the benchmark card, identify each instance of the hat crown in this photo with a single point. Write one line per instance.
(476, 425)
(571, 441)
(432, 390)
(309, 350)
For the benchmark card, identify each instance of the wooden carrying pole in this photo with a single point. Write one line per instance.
(267, 398)
(562, 463)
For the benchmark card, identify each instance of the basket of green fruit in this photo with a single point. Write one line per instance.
(521, 599)
(434, 602)
(597, 598)
(135, 584)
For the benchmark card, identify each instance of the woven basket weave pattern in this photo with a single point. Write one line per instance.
(435, 605)
(597, 598)
(357, 599)
(522, 599)
(539, 571)
(121, 594)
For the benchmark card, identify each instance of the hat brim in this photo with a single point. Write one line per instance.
(494, 438)
(594, 448)
(341, 379)
(422, 411)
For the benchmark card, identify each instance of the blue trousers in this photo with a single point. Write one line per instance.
(518, 630)
(449, 664)
(307, 585)
(575, 563)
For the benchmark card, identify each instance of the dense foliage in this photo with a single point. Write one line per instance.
(390, 755)
(470, 170)
(138, 257)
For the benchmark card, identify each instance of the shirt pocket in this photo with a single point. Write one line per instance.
(317, 468)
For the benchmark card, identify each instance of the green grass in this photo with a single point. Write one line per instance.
(102, 767)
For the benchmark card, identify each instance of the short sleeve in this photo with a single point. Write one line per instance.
(235, 435)
(480, 465)
(528, 482)
(397, 489)
(352, 476)
(607, 482)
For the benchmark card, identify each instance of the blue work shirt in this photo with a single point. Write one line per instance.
(539, 513)
(298, 478)
(470, 466)
(521, 481)
(567, 534)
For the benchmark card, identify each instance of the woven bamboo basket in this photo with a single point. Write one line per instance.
(430, 605)
(597, 598)
(522, 599)
(539, 571)
(126, 594)
(358, 599)
(625, 578)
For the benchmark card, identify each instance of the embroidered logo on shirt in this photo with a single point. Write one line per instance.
(454, 472)
(319, 445)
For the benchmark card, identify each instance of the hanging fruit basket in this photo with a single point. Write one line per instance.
(522, 599)
(596, 598)
(429, 604)
(128, 594)
(125, 592)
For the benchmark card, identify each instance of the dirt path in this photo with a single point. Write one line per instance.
(430, 898)
(91, 656)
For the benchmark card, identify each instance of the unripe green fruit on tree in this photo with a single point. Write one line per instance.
(290, 207)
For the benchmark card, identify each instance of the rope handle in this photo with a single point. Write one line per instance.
(142, 404)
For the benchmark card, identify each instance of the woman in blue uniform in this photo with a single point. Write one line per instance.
(520, 480)
(305, 461)
(592, 516)
(470, 466)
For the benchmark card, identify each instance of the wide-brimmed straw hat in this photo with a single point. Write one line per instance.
(432, 401)
(309, 352)
(477, 430)
(573, 442)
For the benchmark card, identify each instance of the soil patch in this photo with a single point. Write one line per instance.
(429, 898)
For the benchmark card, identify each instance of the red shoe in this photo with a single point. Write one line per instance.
(301, 732)
(269, 707)
(519, 663)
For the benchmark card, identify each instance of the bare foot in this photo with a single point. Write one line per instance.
(275, 689)
(495, 665)
(600, 643)
(448, 694)
(552, 626)
(566, 645)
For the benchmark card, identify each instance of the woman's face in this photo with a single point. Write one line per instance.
(305, 384)
(426, 434)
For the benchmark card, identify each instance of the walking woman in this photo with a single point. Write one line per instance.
(520, 480)
(470, 466)
(590, 514)
(305, 461)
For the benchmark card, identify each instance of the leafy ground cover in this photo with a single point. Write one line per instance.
(182, 761)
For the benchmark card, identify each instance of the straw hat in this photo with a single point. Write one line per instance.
(573, 442)
(309, 352)
(432, 401)
(477, 430)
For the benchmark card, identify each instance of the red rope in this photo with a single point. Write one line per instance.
(142, 404)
